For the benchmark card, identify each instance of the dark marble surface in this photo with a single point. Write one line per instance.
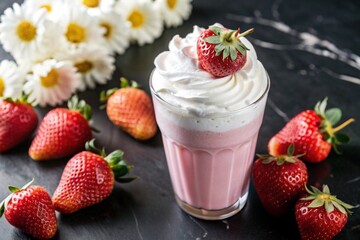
(310, 49)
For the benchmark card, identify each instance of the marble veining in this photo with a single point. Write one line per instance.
(205, 233)
(307, 42)
(278, 111)
(136, 223)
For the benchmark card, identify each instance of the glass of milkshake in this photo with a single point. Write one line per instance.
(209, 127)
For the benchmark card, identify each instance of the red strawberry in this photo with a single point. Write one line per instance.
(220, 51)
(18, 120)
(131, 109)
(62, 132)
(320, 216)
(31, 210)
(88, 178)
(312, 133)
(279, 181)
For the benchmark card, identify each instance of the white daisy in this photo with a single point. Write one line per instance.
(21, 31)
(48, 5)
(146, 23)
(116, 31)
(76, 27)
(95, 7)
(174, 11)
(11, 80)
(93, 62)
(51, 82)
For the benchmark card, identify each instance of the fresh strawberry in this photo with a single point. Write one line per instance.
(88, 178)
(220, 51)
(62, 132)
(279, 181)
(130, 109)
(320, 215)
(312, 132)
(31, 210)
(18, 121)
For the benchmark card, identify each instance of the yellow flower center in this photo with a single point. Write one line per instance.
(47, 7)
(2, 87)
(108, 29)
(91, 3)
(26, 31)
(83, 67)
(136, 18)
(171, 3)
(75, 33)
(51, 79)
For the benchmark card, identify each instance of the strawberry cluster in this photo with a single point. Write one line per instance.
(89, 176)
(280, 178)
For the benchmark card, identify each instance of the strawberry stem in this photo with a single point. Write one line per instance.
(343, 125)
(251, 30)
(330, 118)
(227, 42)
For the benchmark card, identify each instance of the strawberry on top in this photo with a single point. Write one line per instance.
(220, 51)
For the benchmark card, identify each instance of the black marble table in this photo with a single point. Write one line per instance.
(310, 50)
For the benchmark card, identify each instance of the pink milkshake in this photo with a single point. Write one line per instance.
(209, 127)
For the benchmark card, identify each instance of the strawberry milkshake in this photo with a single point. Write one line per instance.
(209, 124)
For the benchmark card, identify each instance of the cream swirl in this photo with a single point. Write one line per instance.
(179, 79)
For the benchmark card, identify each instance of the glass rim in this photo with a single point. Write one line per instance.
(222, 114)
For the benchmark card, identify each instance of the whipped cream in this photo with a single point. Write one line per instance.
(179, 80)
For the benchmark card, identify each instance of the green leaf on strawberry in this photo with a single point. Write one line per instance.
(23, 99)
(220, 50)
(125, 180)
(333, 115)
(227, 42)
(12, 189)
(115, 159)
(330, 118)
(281, 159)
(341, 138)
(2, 208)
(81, 106)
(124, 83)
(324, 198)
